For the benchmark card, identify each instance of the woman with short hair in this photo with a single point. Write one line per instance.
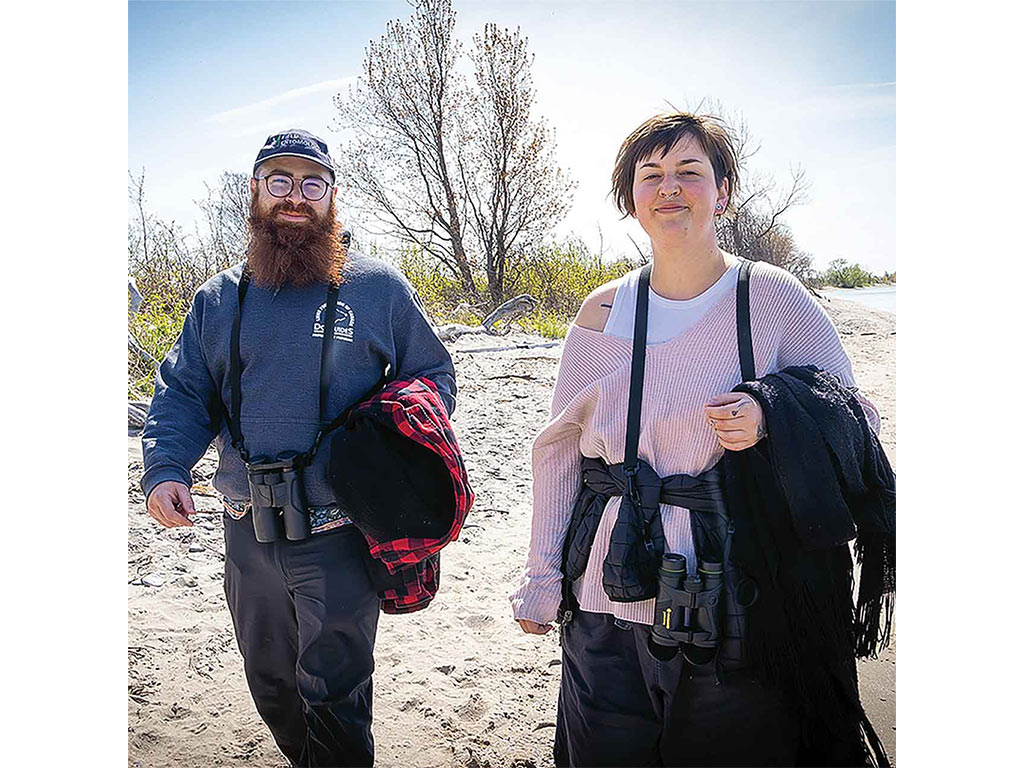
(619, 703)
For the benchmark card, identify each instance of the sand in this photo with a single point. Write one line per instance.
(455, 685)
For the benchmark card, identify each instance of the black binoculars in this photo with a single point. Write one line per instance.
(686, 612)
(278, 500)
(703, 614)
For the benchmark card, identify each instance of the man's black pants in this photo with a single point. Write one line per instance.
(618, 706)
(305, 617)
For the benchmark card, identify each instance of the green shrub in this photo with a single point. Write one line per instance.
(550, 326)
(156, 327)
(441, 293)
(558, 276)
(561, 275)
(842, 274)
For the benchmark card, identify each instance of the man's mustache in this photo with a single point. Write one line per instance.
(286, 207)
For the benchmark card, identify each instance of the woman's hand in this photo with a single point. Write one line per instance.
(737, 419)
(533, 628)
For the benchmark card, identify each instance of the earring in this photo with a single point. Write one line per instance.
(718, 207)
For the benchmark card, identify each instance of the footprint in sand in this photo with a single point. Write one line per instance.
(474, 708)
(478, 621)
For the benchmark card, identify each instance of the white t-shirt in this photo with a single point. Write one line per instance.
(666, 318)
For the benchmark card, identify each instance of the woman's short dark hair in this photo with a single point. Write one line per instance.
(660, 133)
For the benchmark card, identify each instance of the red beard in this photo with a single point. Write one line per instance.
(294, 253)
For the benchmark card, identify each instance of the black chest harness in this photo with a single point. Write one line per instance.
(235, 370)
(276, 488)
(703, 612)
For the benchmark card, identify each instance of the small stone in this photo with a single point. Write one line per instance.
(153, 580)
(190, 581)
(196, 548)
(446, 669)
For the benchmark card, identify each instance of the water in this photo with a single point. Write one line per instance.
(874, 296)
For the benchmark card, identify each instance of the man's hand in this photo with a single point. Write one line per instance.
(533, 628)
(169, 503)
(737, 419)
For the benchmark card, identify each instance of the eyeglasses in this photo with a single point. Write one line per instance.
(280, 185)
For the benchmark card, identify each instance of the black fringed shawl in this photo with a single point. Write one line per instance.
(820, 480)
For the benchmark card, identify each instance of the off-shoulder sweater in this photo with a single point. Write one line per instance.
(588, 417)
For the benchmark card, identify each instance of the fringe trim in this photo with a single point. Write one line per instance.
(876, 598)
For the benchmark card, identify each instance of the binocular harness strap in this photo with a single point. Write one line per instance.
(636, 382)
(746, 346)
(702, 599)
(235, 368)
(330, 312)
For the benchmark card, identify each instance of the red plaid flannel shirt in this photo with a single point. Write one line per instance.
(415, 408)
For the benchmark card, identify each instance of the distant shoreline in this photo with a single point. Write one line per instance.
(879, 284)
(880, 296)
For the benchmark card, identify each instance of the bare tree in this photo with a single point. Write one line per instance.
(755, 227)
(138, 230)
(226, 215)
(464, 174)
(515, 189)
(164, 260)
(399, 167)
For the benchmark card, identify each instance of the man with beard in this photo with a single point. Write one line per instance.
(304, 611)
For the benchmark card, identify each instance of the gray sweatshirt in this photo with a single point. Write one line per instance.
(379, 321)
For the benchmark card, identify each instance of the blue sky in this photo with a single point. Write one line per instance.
(815, 81)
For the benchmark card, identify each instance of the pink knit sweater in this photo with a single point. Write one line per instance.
(588, 416)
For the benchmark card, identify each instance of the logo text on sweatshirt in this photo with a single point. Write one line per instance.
(344, 322)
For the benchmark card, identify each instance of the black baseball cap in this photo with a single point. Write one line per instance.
(296, 142)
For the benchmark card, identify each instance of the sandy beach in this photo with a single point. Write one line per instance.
(458, 684)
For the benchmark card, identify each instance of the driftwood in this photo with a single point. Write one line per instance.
(137, 412)
(134, 297)
(135, 347)
(134, 302)
(471, 350)
(520, 306)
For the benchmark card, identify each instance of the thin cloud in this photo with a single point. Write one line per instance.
(249, 110)
(834, 104)
(262, 128)
(863, 86)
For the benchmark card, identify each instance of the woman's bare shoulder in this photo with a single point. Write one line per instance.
(594, 310)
